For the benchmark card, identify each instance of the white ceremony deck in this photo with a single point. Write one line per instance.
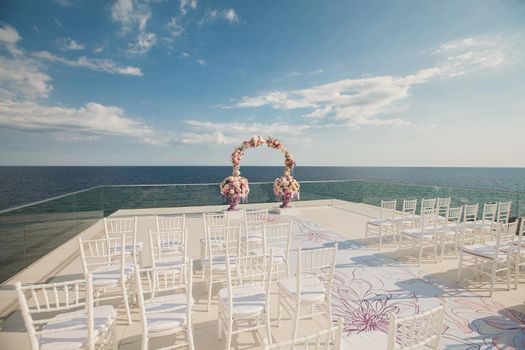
(369, 284)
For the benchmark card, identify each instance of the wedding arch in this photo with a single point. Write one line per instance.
(236, 188)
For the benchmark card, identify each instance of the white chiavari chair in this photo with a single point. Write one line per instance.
(115, 227)
(168, 248)
(170, 224)
(254, 220)
(487, 225)
(63, 316)
(442, 205)
(165, 303)
(468, 226)
(384, 224)
(449, 230)
(326, 339)
(221, 242)
(494, 256)
(244, 305)
(427, 203)
(518, 252)
(212, 220)
(420, 331)
(112, 275)
(503, 215)
(311, 288)
(425, 234)
(278, 237)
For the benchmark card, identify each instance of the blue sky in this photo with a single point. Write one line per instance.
(134, 82)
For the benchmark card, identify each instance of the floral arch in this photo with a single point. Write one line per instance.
(235, 188)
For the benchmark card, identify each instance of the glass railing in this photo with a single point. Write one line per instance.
(29, 232)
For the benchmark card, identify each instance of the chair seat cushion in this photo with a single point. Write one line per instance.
(170, 245)
(219, 263)
(379, 222)
(129, 247)
(312, 289)
(417, 233)
(247, 301)
(172, 260)
(484, 250)
(76, 338)
(366, 340)
(110, 275)
(279, 255)
(480, 223)
(165, 312)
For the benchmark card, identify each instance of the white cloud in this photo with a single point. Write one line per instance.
(96, 64)
(231, 16)
(130, 14)
(201, 62)
(184, 55)
(21, 78)
(174, 27)
(212, 15)
(91, 120)
(186, 5)
(145, 41)
(70, 44)
(9, 35)
(57, 22)
(250, 129)
(65, 3)
(360, 102)
(191, 138)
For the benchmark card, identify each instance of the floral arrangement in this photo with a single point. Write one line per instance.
(286, 187)
(235, 187)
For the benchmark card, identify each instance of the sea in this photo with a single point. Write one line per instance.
(21, 185)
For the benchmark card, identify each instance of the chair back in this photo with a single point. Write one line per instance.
(164, 284)
(489, 212)
(503, 212)
(250, 270)
(442, 205)
(454, 216)
(278, 237)
(505, 238)
(429, 219)
(168, 244)
(313, 264)
(326, 339)
(170, 223)
(223, 240)
(470, 213)
(102, 252)
(40, 303)
(215, 220)
(115, 227)
(427, 203)
(388, 210)
(417, 331)
(409, 206)
(255, 216)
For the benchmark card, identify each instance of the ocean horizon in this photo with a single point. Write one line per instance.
(26, 184)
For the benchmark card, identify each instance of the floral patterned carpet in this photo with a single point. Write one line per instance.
(369, 286)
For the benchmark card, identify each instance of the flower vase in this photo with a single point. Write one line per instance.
(233, 202)
(287, 202)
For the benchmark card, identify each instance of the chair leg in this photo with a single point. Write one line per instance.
(219, 325)
(145, 341)
(380, 236)
(420, 252)
(296, 322)
(229, 333)
(126, 302)
(460, 265)
(279, 310)
(210, 287)
(268, 326)
(190, 336)
(114, 340)
(492, 278)
(508, 273)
